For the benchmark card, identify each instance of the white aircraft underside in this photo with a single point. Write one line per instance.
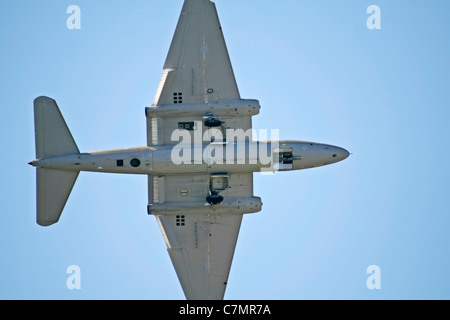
(200, 184)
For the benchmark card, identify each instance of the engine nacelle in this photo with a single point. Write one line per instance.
(232, 205)
(237, 107)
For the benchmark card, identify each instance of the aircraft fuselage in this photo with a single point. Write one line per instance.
(236, 157)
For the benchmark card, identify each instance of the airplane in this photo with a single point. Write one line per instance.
(200, 155)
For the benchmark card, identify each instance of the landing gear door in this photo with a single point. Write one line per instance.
(282, 158)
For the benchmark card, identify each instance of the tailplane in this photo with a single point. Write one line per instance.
(53, 188)
(53, 139)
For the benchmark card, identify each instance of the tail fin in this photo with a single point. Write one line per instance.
(53, 139)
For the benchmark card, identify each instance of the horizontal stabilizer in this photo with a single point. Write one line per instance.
(53, 137)
(53, 190)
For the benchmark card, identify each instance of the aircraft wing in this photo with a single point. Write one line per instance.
(198, 78)
(197, 68)
(197, 72)
(200, 245)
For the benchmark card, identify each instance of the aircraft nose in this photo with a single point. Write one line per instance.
(340, 154)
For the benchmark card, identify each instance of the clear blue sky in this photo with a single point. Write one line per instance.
(320, 75)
